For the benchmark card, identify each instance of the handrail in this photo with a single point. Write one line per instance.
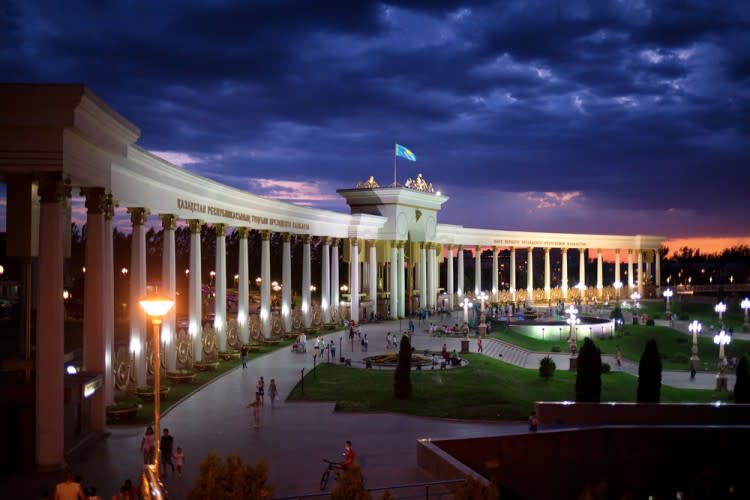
(426, 485)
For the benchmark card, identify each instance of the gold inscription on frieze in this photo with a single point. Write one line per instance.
(194, 206)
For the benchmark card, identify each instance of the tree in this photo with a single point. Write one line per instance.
(589, 374)
(402, 375)
(649, 374)
(350, 485)
(617, 315)
(742, 386)
(230, 479)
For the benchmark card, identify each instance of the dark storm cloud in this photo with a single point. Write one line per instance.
(633, 104)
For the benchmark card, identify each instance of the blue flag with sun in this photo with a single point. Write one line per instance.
(405, 152)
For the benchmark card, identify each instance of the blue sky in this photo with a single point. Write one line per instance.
(616, 117)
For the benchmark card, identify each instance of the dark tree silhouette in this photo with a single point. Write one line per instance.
(402, 375)
(649, 374)
(589, 375)
(742, 386)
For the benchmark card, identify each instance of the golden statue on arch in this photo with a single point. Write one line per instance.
(419, 184)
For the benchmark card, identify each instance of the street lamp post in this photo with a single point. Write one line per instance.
(636, 297)
(572, 321)
(157, 308)
(617, 284)
(466, 303)
(745, 305)
(721, 338)
(668, 295)
(482, 316)
(721, 308)
(694, 328)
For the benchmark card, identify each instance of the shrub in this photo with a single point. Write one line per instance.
(546, 367)
(650, 322)
(649, 374)
(683, 317)
(617, 315)
(230, 479)
(606, 368)
(350, 485)
(742, 386)
(589, 375)
(402, 374)
(682, 339)
(556, 348)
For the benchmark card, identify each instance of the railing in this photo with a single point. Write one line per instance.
(426, 490)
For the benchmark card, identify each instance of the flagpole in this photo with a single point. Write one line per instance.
(394, 165)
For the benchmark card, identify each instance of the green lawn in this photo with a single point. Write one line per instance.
(733, 317)
(485, 389)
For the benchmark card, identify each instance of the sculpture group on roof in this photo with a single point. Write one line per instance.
(368, 184)
(419, 184)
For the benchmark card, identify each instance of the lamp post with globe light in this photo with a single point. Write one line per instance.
(573, 321)
(745, 305)
(668, 295)
(721, 339)
(720, 308)
(466, 304)
(636, 298)
(618, 285)
(156, 308)
(695, 328)
(482, 317)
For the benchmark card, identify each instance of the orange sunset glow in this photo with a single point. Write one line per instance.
(707, 244)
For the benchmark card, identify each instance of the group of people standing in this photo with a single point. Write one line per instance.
(169, 457)
(260, 392)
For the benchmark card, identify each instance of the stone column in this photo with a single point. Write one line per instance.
(657, 276)
(449, 271)
(394, 279)
(265, 283)
(195, 313)
(564, 284)
(354, 280)
(617, 264)
(220, 286)
(306, 281)
(547, 277)
(325, 279)
(640, 272)
(631, 281)
(401, 281)
(335, 272)
(138, 333)
(286, 281)
(460, 290)
(530, 275)
(93, 299)
(429, 294)
(434, 285)
(582, 266)
(50, 333)
(477, 270)
(599, 272)
(494, 274)
(513, 286)
(109, 302)
(169, 289)
(422, 275)
(372, 266)
(243, 287)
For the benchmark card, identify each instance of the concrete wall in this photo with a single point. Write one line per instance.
(638, 460)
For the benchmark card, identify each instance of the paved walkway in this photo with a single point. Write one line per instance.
(294, 436)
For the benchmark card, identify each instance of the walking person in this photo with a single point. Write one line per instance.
(148, 446)
(479, 345)
(618, 357)
(179, 461)
(243, 356)
(68, 489)
(255, 405)
(165, 447)
(333, 350)
(260, 389)
(272, 391)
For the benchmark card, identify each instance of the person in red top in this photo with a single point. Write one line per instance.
(349, 456)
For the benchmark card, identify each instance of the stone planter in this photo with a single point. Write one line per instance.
(206, 366)
(227, 355)
(181, 377)
(147, 393)
(122, 413)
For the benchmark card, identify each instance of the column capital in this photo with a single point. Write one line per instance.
(371, 243)
(306, 239)
(195, 226)
(449, 246)
(335, 242)
(286, 237)
(51, 188)
(530, 249)
(95, 199)
(109, 207)
(401, 244)
(243, 232)
(138, 215)
(564, 250)
(354, 242)
(460, 248)
(630, 251)
(477, 248)
(598, 251)
(546, 250)
(265, 234)
(220, 229)
(168, 221)
(495, 249)
(617, 251)
(326, 240)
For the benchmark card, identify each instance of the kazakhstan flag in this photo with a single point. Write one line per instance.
(404, 152)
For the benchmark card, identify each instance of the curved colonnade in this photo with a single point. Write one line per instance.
(58, 138)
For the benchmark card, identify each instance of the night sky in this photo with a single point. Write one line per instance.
(616, 117)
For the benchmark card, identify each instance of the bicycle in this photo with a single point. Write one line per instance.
(327, 472)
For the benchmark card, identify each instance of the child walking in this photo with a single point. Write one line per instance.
(179, 461)
(272, 392)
